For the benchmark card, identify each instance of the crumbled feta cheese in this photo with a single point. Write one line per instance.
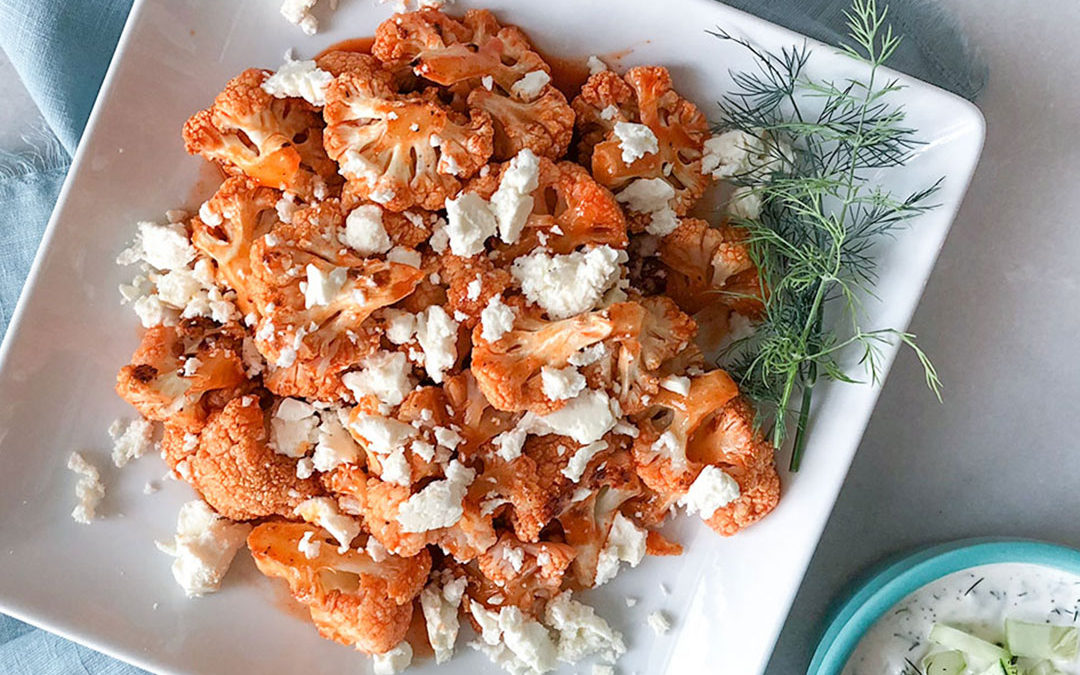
(713, 489)
(309, 547)
(405, 256)
(595, 65)
(561, 383)
(164, 247)
(510, 443)
(668, 445)
(298, 12)
(393, 661)
(299, 79)
(400, 326)
(579, 461)
(437, 334)
(635, 141)
(364, 231)
(323, 511)
(676, 384)
(514, 556)
(513, 641)
(385, 375)
(423, 450)
(609, 113)
(589, 355)
(496, 319)
(382, 195)
(659, 622)
(530, 85)
(376, 551)
(88, 490)
(448, 438)
(488, 81)
(204, 546)
(254, 364)
(651, 196)
(383, 434)
(440, 606)
(131, 441)
(178, 287)
(581, 633)
(322, 287)
(286, 207)
(305, 467)
(335, 445)
(585, 419)
(152, 313)
(439, 503)
(474, 287)
(565, 285)
(512, 202)
(395, 468)
(625, 543)
(440, 239)
(745, 203)
(602, 669)
(731, 154)
(624, 428)
(630, 601)
(292, 428)
(470, 222)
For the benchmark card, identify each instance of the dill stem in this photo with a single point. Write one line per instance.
(804, 412)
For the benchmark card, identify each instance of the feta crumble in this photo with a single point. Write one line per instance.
(473, 289)
(131, 441)
(89, 490)
(400, 326)
(323, 511)
(625, 543)
(496, 319)
(579, 461)
(676, 384)
(292, 428)
(394, 661)
(565, 285)
(335, 445)
(383, 434)
(635, 141)
(659, 622)
(512, 202)
(595, 65)
(322, 287)
(581, 632)
(651, 196)
(712, 490)
(439, 503)
(730, 154)
(437, 334)
(470, 222)
(309, 547)
(385, 375)
(670, 446)
(561, 383)
(588, 355)
(440, 606)
(204, 547)
(609, 113)
(585, 419)
(405, 256)
(298, 12)
(395, 468)
(299, 79)
(364, 231)
(510, 443)
(530, 85)
(513, 641)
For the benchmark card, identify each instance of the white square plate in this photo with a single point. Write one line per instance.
(106, 585)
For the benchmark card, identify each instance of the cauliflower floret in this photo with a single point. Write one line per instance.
(645, 96)
(569, 210)
(730, 441)
(523, 574)
(401, 151)
(479, 422)
(710, 265)
(237, 472)
(353, 600)
(509, 370)
(163, 387)
(240, 212)
(544, 124)
(276, 142)
(449, 52)
(471, 284)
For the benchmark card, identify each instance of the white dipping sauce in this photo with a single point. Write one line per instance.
(976, 600)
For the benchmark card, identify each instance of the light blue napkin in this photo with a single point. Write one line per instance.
(61, 49)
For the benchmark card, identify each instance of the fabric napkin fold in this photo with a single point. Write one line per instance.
(61, 49)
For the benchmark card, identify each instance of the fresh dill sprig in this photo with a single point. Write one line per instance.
(819, 145)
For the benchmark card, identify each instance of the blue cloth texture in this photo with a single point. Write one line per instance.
(61, 49)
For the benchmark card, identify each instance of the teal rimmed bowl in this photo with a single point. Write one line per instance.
(892, 582)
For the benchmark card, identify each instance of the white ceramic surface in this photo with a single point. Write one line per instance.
(107, 586)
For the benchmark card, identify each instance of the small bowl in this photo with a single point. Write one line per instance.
(896, 579)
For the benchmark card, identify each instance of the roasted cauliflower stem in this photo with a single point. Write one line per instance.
(644, 95)
(466, 374)
(401, 150)
(161, 385)
(353, 599)
(569, 210)
(240, 212)
(275, 142)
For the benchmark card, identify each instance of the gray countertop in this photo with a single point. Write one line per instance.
(1001, 318)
